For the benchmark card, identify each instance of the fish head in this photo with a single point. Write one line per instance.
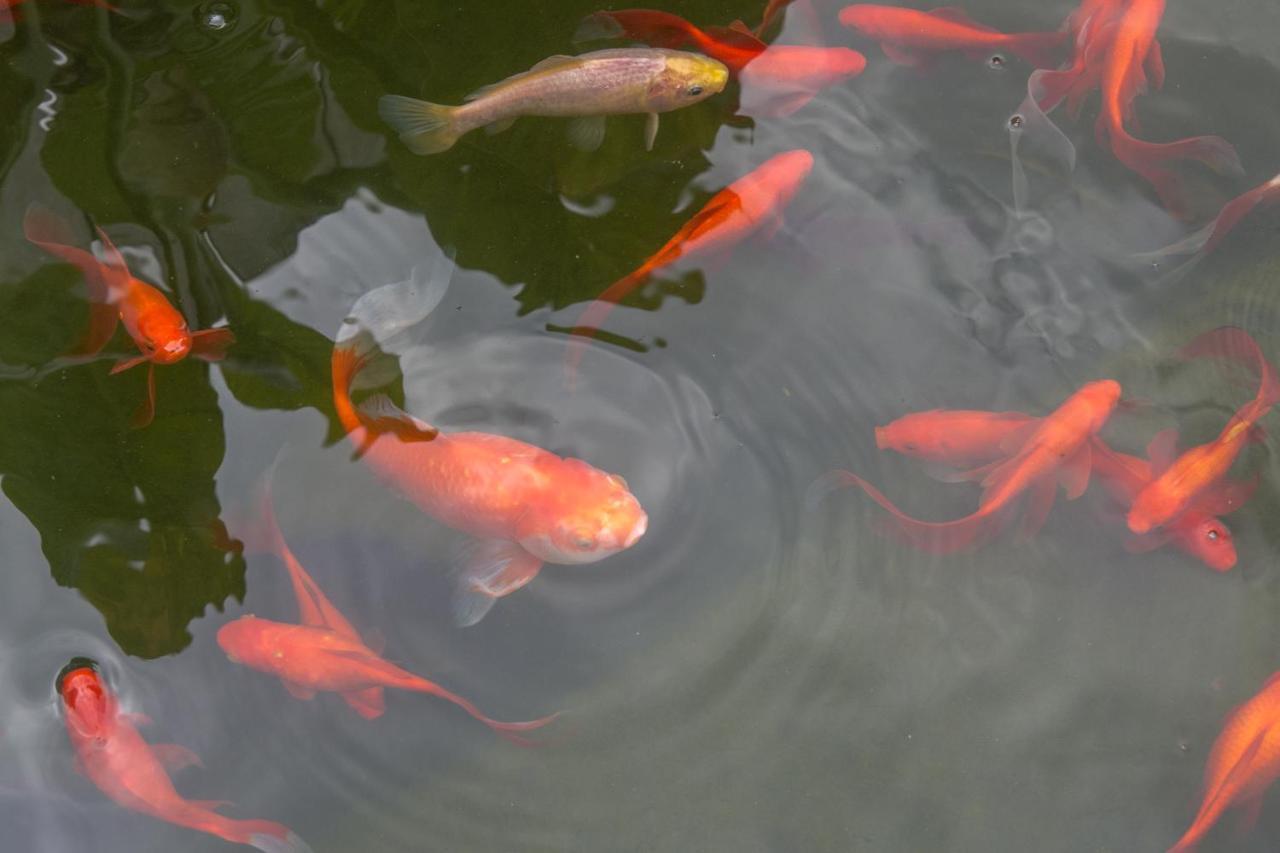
(592, 516)
(164, 337)
(247, 641)
(1100, 398)
(908, 435)
(684, 79)
(1208, 540)
(90, 707)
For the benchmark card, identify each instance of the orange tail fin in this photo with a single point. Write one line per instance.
(594, 315)
(1231, 342)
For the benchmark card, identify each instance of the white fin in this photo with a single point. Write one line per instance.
(650, 131)
(500, 126)
(586, 133)
(383, 314)
(291, 843)
(380, 415)
(487, 570)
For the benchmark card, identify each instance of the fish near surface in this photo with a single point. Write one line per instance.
(910, 37)
(1243, 763)
(157, 328)
(733, 47)
(525, 506)
(752, 203)
(589, 87)
(1056, 451)
(956, 437)
(325, 652)
(130, 771)
(1181, 482)
(1197, 531)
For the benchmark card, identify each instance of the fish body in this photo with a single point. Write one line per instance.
(524, 505)
(1056, 451)
(117, 298)
(1243, 763)
(752, 203)
(733, 47)
(956, 437)
(593, 85)
(909, 36)
(1181, 482)
(115, 757)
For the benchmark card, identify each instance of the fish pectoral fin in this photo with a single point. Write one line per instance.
(470, 606)
(1074, 473)
(1141, 543)
(126, 363)
(488, 569)
(383, 417)
(175, 756)
(103, 320)
(212, 344)
(136, 720)
(298, 691)
(1040, 503)
(146, 410)
(1162, 450)
(905, 56)
(650, 130)
(587, 133)
(499, 126)
(369, 703)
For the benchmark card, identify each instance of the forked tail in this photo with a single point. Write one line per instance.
(424, 127)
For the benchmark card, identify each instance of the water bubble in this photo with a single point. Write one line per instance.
(1016, 122)
(996, 61)
(217, 15)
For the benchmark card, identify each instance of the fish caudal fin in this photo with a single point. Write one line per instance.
(268, 843)
(424, 127)
(1235, 344)
(504, 729)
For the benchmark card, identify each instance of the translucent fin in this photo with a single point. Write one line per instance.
(586, 133)
(383, 417)
(650, 130)
(369, 703)
(487, 570)
(424, 127)
(211, 344)
(290, 843)
(380, 317)
(175, 756)
(127, 363)
(103, 319)
(1162, 450)
(500, 126)
(1040, 498)
(598, 26)
(297, 691)
(146, 410)
(1074, 473)
(1226, 498)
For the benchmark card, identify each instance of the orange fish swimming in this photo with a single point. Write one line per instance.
(1243, 763)
(1092, 27)
(525, 505)
(157, 328)
(912, 37)
(325, 653)
(956, 437)
(1183, 481)
(111, 753)
(1132, 64)
(752, 203)
(734, 47)
(1056, 451)
(1198, 531)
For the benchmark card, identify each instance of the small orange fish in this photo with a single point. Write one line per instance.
(1056, 451)
(325, 653)
(956, 437)
(112, 754)
(752, 203)
(912, 37)
(1243, 763)
(1181, 482)
(157, 328)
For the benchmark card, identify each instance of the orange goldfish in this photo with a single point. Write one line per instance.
(325, 652)
(909, 36)
(112, 754)
(1183, 481)
(158, 329)
(752, 203)
(1129, 56)
(525, 505)
(956, 437)
(1198, 531)
(1056, 451)
(1243, 763)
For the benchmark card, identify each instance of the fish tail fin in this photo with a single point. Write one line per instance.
(345, 363)
(1043, 50)
(1151, 160)
(599, 26)
(505, 729)
(1237, 209)
(1234, 343)
(936, 537)
(266, 835)
(424, 127)
(594, 315)
(51, 232)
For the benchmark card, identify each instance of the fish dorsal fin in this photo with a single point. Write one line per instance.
(558, 61)
(298, 691)
(369, 703)
(381, 416)
(1162, 450)
(958, 16)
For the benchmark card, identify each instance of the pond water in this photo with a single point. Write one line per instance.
(756, 673)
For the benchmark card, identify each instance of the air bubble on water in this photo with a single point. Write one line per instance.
(1016, 122)
(216, 16)
(996, 62)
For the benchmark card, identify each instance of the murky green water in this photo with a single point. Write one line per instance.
(751, 675)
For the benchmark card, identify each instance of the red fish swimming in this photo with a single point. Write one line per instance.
(157, 328)
(325, 653)
(956, 437)
(1243, 763)
(130, 771)
(912, 37)
(1132, 64)
(1056, 451)
(1197, 531)
(1180, 483)
(752, 203)
(524, 505)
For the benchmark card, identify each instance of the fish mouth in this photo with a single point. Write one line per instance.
(636, 532)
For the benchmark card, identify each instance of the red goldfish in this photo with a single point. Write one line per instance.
(1197, 531)
(325, 652)
(956, 437)
(749, 204)
(1131, 54)
(1056, 451)
(524, 505)
(1243, 763)
(1180, 483)
(909, 36)
(158, 329)
(112, 754)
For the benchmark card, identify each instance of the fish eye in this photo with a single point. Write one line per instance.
(1213, 535)
(695, 90)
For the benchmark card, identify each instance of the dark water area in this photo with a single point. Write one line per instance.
(757, 673)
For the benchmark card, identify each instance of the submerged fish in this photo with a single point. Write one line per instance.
(589, 87)
(111, 753)
(910, 37)
(1243, 763)
(524, 505)
(956, 437)
(158, 329)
